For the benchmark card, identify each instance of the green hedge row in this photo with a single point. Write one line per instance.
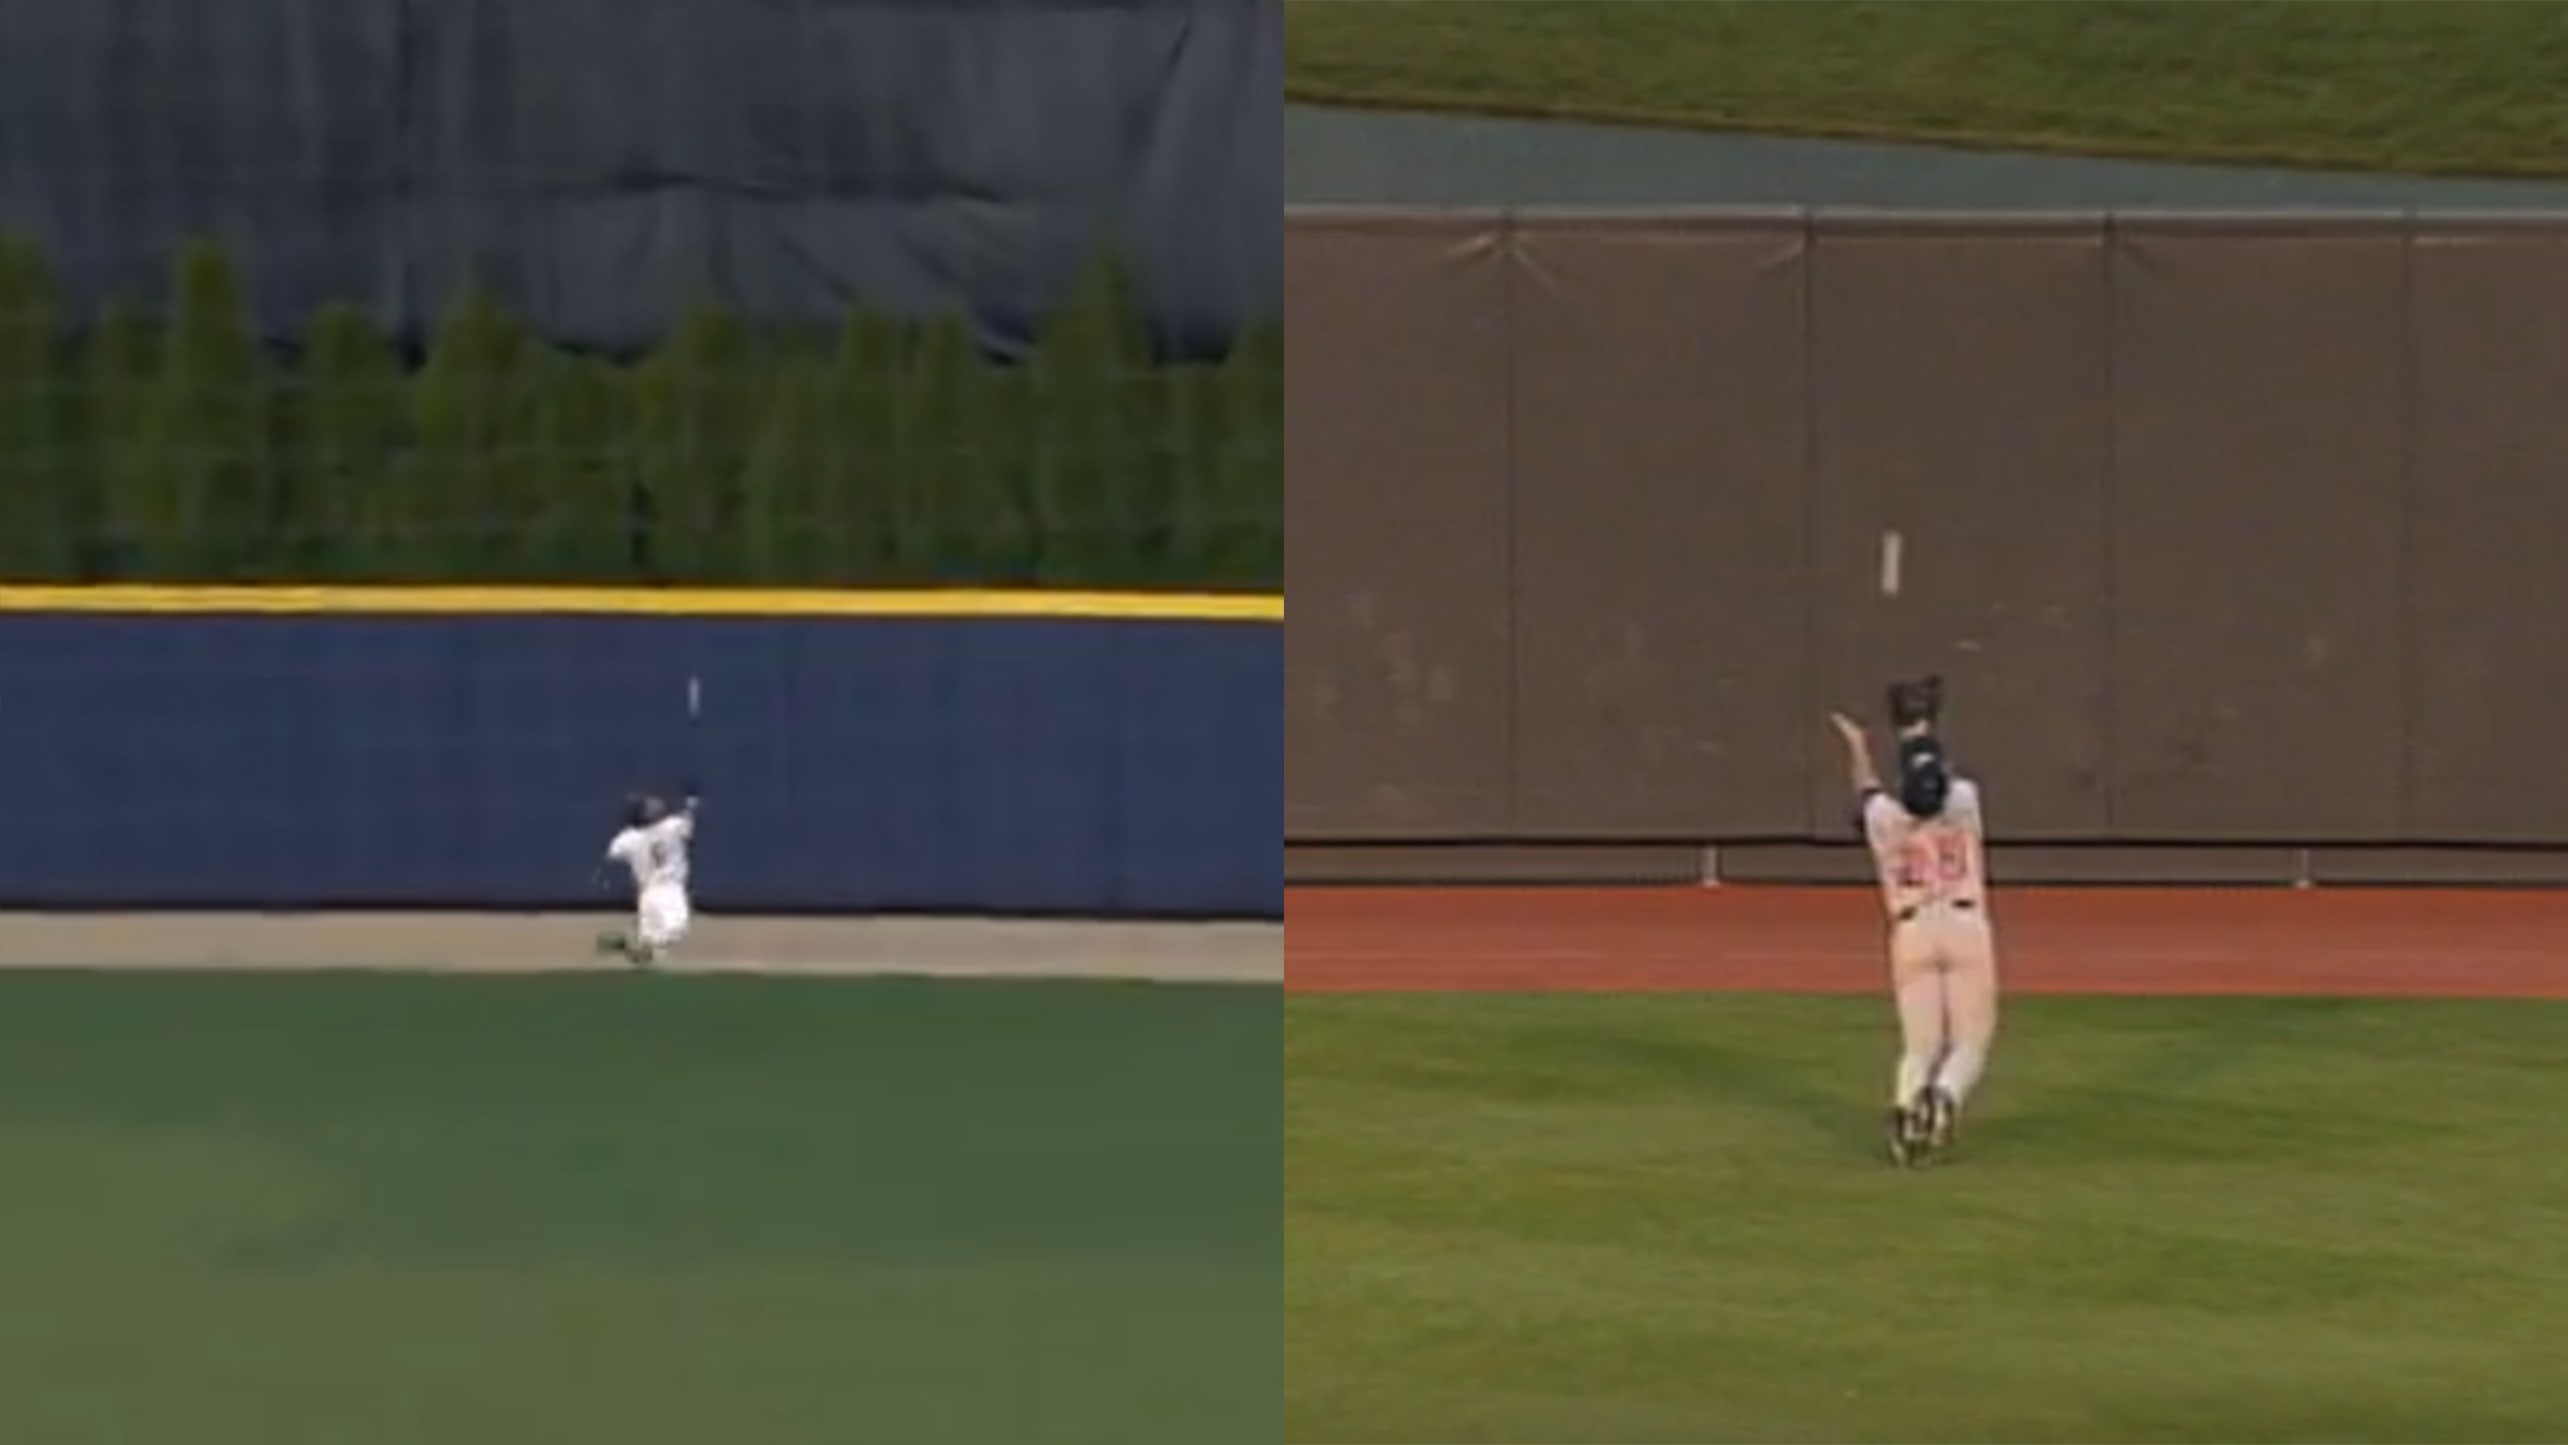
(145, 449)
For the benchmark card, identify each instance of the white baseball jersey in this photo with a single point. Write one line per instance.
(657, 854)
(1925, 861)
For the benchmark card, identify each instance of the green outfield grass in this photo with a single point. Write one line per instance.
(379, 1210)
(2460, 86)
(1661, 1218)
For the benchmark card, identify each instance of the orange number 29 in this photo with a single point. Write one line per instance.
(1943, 859)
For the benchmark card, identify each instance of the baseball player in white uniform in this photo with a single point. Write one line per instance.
(1928, 850)
(652, 846)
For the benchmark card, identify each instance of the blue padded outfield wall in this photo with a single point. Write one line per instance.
(970, 764)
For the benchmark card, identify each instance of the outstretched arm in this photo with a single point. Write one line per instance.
(619, 849)
(1859, 763)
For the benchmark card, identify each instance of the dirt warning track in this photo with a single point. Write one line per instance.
(722, 943)
(2379, 942)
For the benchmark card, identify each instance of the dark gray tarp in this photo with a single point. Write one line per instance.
(604, 164)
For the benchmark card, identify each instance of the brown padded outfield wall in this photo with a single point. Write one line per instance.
(2234, 531)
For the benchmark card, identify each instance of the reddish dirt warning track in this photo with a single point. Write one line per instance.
(2383, 942)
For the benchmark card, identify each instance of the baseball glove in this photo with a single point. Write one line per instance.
(1916, 702)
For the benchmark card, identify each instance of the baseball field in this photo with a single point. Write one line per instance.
(1599, 1165)
(431, 1181)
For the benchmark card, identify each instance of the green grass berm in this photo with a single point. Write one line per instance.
(2387, 85)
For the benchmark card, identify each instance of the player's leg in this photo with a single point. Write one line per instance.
(1923, 1016)
(1971, 992)
(663, 921)
(636, 943)
(1918, 992)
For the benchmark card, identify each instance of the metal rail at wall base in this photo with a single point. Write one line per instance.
(1714, 865)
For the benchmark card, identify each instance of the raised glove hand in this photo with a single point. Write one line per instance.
(1912, 703)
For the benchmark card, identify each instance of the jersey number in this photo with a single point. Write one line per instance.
(1945, 860)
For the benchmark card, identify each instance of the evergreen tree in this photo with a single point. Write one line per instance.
(1191, 503)
(1246, 491)
(447, 517)
(786, 535)
(118, 460)
(343, 433)
(692, 419)
(37, 463)
(566, 475)
(865, 485)
(1091, 377)
(956, 518)
(216, 506)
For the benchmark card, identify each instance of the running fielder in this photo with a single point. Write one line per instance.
(652, 846)
(1927, 849)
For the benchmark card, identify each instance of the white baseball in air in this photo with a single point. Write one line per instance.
(695, 697)
(1890, 560)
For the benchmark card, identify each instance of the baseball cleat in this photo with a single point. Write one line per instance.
(1940, 1117)
(1899, 1134)
(631, 950)
(1911, 1134)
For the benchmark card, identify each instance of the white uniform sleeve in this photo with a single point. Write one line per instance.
(1881, 819)
(1964, 805)
(620, 847)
